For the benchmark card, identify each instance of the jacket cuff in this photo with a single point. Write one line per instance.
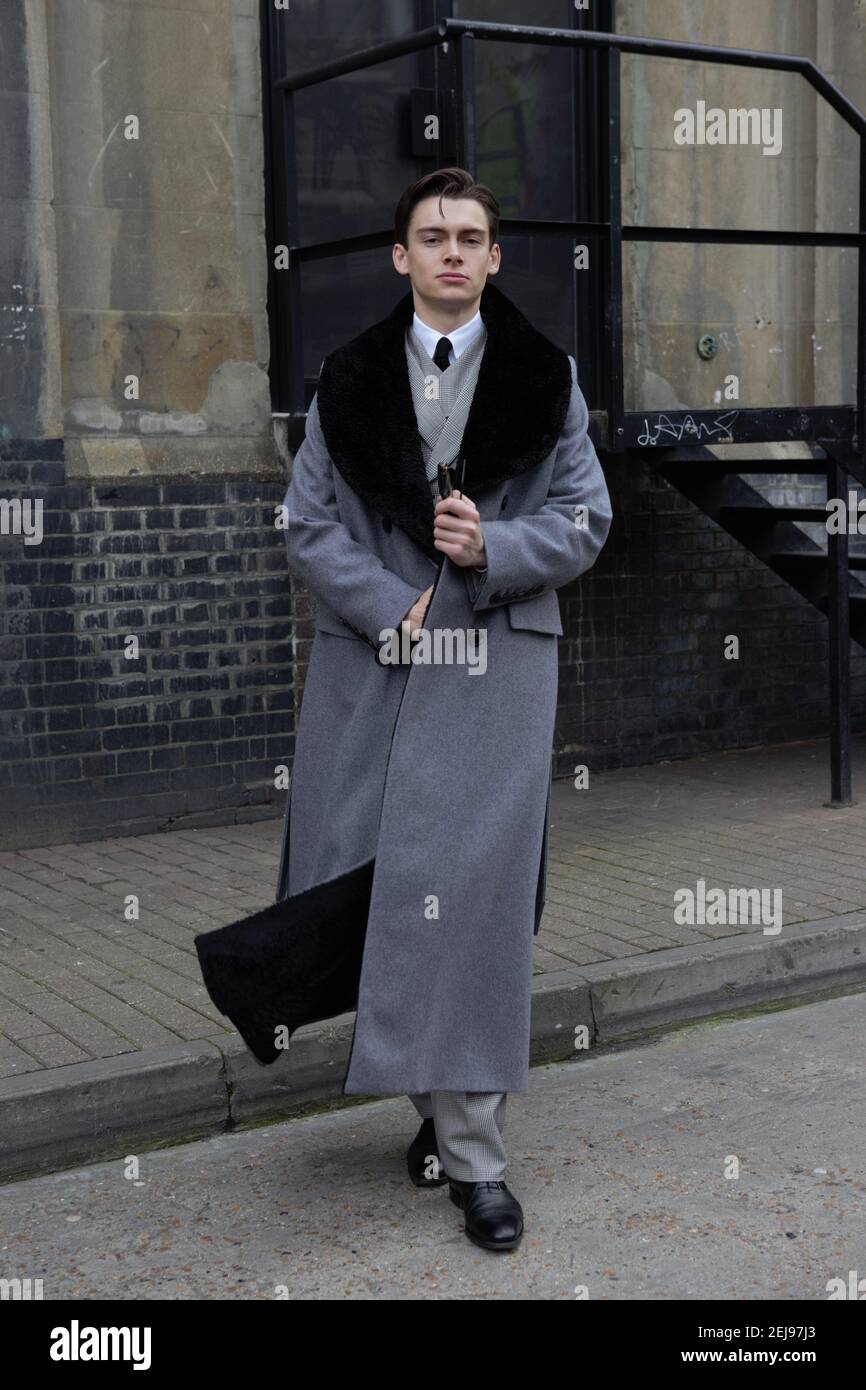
(499, 584)
(384, 608)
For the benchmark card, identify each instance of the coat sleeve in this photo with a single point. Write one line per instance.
(527, 555)
(347, 576)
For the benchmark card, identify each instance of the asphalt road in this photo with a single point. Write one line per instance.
(619, 1160)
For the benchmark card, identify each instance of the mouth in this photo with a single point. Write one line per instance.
(451, 275)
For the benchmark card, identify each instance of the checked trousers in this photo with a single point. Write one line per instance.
(469, 1127)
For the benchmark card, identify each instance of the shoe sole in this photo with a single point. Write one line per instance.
(510, 1244)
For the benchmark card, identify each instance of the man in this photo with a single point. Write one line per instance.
(440, 770)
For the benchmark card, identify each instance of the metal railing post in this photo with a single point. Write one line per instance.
(292, 298)
(467, 152)
(838, 615)
(614, 355)
(861, 309)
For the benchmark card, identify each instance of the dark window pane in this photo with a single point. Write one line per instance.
(537, 273)
(526, 128)
(353, 160)
(318, 31)
(555, 14)
(343, 295)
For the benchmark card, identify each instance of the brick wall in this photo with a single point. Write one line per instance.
(92, 743)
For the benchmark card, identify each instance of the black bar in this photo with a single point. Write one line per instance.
(467, 151)
(294, 327)
(830, 425)
(539, 226)
(613, 296)
(320, 250)
(515, 225)
(666, 48)
(590, 147)
(734, 236)
(584, 107)
(838, 614)
(287, 380)
(364, 58)
(668, 429)
(587, 38)
(861, 311)
(274, 197)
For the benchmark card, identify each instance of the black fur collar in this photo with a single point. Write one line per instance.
(368, 419)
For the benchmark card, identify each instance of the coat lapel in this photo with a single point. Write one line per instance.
(368, 418)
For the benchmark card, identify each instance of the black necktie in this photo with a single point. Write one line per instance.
(440, 356)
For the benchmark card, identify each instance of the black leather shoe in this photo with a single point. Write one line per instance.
(419, 1160)
(493, 1215)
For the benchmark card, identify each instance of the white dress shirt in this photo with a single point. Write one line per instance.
(459, 339)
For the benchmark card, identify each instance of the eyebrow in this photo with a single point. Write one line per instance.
(420, 231)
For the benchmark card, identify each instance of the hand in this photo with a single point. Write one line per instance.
(415, 616)
(457, 530)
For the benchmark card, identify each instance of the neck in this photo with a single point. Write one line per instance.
(444, 317)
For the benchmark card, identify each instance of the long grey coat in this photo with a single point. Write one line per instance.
(440, 774)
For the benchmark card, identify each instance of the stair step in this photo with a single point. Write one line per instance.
(748, 511)
(817, 557)
(693, 458)
(804, 468)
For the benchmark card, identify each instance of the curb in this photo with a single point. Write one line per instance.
(91, 1111)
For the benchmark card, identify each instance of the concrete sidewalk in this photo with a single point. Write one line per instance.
(108, 1038)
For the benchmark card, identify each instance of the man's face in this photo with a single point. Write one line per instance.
(448, 257)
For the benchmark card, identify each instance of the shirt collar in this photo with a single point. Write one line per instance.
(460, 339)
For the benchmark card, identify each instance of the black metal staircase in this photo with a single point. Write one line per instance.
(768, 529)
(825, 572)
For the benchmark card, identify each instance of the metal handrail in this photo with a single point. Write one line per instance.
(465, 31)
(580, 38)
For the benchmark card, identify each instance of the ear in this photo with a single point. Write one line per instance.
(398, 253)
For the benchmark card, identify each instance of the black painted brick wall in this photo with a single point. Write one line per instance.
(93, 744)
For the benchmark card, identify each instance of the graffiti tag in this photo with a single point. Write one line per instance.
(687, 428)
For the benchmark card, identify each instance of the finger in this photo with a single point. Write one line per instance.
(464, 533)
(456, 506)
(449, 522)
(457, 544)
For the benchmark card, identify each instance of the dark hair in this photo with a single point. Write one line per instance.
(448, 183)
